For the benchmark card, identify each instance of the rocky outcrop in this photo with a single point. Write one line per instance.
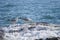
(53, 38)
(30, 32)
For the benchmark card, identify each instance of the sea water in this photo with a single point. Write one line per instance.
(37, 10)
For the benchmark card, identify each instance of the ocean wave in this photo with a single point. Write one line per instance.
(30, 32)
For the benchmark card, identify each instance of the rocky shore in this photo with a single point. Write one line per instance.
(34, 31)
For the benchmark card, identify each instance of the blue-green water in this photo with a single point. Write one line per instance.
(38, 10)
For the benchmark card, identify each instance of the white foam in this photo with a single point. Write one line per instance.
(29, 35)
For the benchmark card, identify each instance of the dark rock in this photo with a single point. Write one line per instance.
(38, 39)
(11, 31)
(21, 30)
(58, 38)
(54, 38)
(30, 28)
(57, 26)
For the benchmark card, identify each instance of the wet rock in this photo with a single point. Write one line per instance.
(38, 39)
(21, 30)
(30, 28)
(54, 38)
(57, 26)
(42, 23)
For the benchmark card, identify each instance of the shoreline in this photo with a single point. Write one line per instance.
(39, 30)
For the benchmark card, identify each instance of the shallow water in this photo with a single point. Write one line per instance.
(38, 10)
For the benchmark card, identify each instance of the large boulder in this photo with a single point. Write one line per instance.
(54, 38)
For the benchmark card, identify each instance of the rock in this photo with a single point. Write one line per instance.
(38, 39)
(31, 27)
(21, 29)
(54, 38)
(42, 23)
(57, 26)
